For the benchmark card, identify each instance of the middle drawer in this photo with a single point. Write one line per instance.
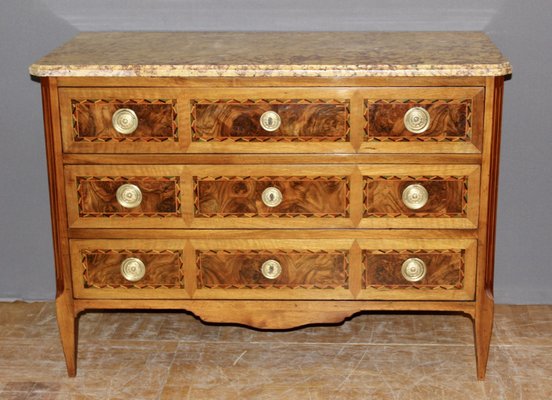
(246, 196)
(275, 196)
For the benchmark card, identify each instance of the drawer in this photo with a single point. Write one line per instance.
(418, 269)
(270, 120)
(206, 196)
(106, 120)
(433, 120)
(418, 196)
(127, 268)
(124, 196)
(272, 269)
(271, 196)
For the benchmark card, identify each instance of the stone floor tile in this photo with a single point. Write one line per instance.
(523, 325)
(172, 355)
(180, 392)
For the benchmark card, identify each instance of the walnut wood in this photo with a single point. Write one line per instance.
(453, 200)
(456, 120)
(86, 120)
(242, 196)
(274, 233)
(96, 268)
(451, 268)
(484, 313)
(445, 269)
(447, 196)
(266, 159)
(448, 121)
(300, 269)
(317, 286)
(97, 196)
(66, 317)
(239, 120)
(102, 268)
(92, 120)
(276, 314)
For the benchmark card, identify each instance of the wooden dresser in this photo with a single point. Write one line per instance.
(274, 179)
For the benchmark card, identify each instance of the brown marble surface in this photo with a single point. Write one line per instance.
(165, 356)
(211, 54)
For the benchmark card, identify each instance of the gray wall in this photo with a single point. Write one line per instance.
(31, 28)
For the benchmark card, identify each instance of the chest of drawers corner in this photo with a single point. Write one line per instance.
(270, 192)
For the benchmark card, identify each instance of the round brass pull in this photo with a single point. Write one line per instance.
(272, 196)
(415, 196)
(125, 121)
(133, 269)
(129, 195)
(417, 120)
(271, 269)
(413, 270)
(270, 121)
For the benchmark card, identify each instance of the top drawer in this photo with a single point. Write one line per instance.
(196, 120)
(272, 120)
(109, 120)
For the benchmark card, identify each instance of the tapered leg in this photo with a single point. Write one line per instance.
(483, 328)
(68, 330)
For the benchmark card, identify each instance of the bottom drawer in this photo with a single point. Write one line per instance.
(324, 269)
(212, 269)
(273, 269)
(113, 268)
(418, 269)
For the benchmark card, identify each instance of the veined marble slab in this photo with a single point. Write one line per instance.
(274, 54)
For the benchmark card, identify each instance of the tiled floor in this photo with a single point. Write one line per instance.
(373, 356)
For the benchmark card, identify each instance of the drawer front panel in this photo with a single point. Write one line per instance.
(270, 120)
(299, 269)
(97, 196)
(224, 196)
(419, 269)
(127, 268)
(101, 196)
(279, 268)
(445, 268)
(301, 120)
(271, 196)
(420, 196)
(93, 120)
(424, 120)
(120, 120)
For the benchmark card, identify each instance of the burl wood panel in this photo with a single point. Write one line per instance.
(97, 197)
(157, 120)
(448, 196)
(450, 120)
(242, 196)
(445, 269)
(102, 269)
(302, 120)
(300, 269)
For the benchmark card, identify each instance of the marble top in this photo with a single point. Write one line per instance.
(258, 54)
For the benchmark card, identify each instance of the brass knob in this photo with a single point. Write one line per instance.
(271, 196)
(270, 121)
(133, 269)
(129, 195)
(413, 270)
(125, 121)
(271, 269)
(417, 120)
(415, 196)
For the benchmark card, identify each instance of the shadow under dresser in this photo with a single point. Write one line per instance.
(274, 179)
